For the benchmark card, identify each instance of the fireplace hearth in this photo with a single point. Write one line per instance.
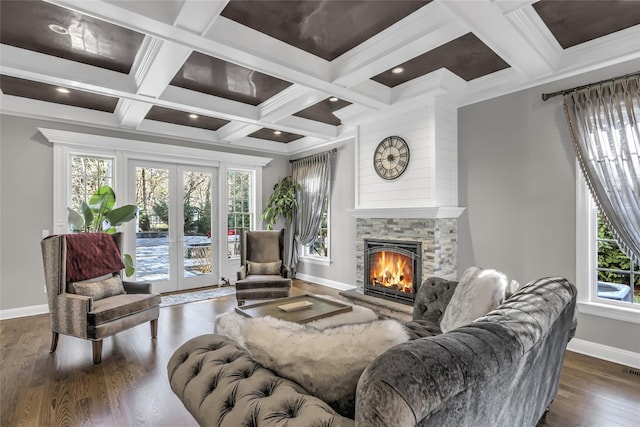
(392, 269)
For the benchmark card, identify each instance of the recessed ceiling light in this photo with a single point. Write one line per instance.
(397, 70)
(193, 116)
(277, 132)
(333, 99)
(58, 29)
(63, 90)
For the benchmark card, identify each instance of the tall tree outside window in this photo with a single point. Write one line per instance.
(240, 209)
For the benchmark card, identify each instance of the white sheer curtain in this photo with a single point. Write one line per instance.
(312, 173)
(603, 121)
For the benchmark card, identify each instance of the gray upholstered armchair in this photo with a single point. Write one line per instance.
(262, 273)
(87, 297)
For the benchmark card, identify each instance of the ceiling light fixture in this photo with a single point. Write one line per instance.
(63, 90)
(397, 70)
(277, 132)
(58, 29)
(333, 99)
(193, 116)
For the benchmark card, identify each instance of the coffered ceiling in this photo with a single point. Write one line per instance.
(287, 76)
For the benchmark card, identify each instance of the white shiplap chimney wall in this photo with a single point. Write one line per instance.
(430, 128)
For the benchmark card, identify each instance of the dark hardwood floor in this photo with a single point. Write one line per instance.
(130, 386)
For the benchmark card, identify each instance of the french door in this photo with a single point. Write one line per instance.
(175, 238)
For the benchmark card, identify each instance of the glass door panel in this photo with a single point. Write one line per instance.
(153, 251)
(198, 258)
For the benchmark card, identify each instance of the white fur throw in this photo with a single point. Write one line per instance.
(327, 363)
(232, 324)
(478, 292)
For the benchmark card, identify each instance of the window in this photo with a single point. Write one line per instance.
(87, 175)
(588, 267)
(240, 213)
(320, 247)
(618, 277)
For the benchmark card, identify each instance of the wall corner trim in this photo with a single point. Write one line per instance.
(605, 352)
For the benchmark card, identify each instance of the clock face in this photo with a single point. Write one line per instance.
(391, 157)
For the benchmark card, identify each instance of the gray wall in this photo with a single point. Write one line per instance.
(517, 180)
(343, 225)
(26, 170)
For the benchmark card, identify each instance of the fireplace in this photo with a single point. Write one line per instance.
(392, 269)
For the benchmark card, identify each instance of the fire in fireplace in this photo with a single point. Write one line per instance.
(392, 269)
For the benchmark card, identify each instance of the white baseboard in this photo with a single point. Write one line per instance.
(605, 352)
(325, 282)
(32, 310)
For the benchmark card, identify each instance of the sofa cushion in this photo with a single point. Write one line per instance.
(478, 292)
(98, 288)
(328, 362)
(116, 307)
(271, 268)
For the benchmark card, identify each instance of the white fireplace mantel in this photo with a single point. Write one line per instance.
(408, 212)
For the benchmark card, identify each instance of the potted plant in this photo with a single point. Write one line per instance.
(282, 202)
(100, 216)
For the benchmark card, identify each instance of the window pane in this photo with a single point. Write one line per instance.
(618, 279)
(87, 175)
(239, 205)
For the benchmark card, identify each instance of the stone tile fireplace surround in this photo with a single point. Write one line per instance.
(439, 238)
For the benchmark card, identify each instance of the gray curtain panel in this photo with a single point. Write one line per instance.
(603, 121)
(312, 173)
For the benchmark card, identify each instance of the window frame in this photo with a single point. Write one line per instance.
(253, 199)
(587, 262)
(122, 150)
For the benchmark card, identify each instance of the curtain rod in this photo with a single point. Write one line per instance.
(333, 150)
(546, 96)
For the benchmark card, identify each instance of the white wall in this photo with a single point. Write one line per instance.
(26, 171)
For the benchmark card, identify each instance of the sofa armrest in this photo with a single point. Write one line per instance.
(69, 314)
(432, 298)
(220, 385)
(286, 272)
(242, 272)
(137, 287)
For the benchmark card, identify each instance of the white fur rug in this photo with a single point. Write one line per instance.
(327, 363)
(326, 356)
(231, 324)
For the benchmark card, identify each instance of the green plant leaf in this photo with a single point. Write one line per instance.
(75, 219)
(129, 269)
(121, 215)
(88, 216)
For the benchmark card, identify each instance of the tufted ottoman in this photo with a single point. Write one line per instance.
(213, 376)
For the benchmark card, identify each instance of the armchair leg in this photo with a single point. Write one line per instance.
(154, 328)
(54, 341)
(97, 351)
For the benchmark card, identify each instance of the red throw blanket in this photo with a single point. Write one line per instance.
(91, 255)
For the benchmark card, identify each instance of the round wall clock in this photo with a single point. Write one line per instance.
(391, 157)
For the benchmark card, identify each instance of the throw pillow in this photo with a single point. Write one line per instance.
(478, 292)
(98, 288)
(327, 363)
(264, 267)
(91, 255)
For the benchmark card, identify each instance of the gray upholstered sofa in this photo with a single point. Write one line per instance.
(501, 370)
